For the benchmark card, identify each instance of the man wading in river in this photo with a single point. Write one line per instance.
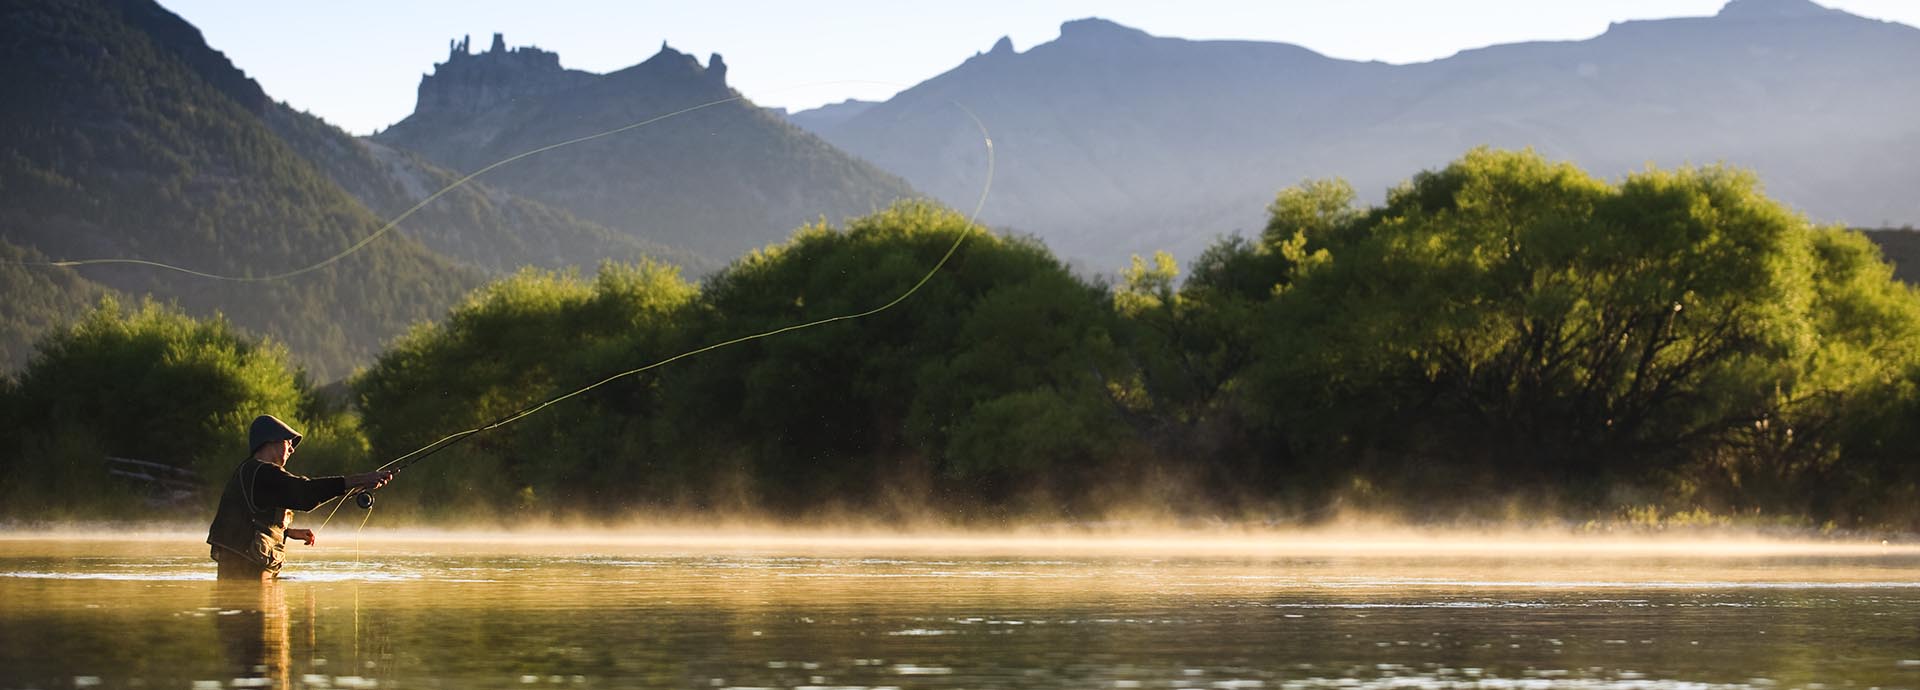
(250, 528)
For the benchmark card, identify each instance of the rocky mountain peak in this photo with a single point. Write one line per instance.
(670, 66)
(469, 82)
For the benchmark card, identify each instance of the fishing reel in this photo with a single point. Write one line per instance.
(363, 499)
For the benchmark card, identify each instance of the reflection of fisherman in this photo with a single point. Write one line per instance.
(255, 630)
(250, 528)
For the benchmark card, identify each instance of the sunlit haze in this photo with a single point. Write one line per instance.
(357, 63)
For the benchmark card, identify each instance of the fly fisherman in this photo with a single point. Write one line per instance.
(250, 528)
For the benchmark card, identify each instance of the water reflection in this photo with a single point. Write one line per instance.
(255, 631)
(510, 615)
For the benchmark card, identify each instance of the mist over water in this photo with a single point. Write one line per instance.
(743, 608)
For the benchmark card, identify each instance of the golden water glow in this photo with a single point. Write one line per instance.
(754, 606)
(1078, 541)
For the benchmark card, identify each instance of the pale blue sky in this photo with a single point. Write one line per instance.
(357, 63)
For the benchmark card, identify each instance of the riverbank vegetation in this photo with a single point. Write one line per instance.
(1503, 338)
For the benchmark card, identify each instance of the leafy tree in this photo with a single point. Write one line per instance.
(1839, 450)
(1510, 320)
(1192, 347)
(148, 383)
(1322, 212)
(1188, 349)
(940, 393)
(513, 344)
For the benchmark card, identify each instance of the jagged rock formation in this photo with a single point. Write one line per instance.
(467, 84)
(1113, 142)
(718, 180)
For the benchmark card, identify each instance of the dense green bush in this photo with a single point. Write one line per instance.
(513, 344)
(1508, 325)
(943, 393)
(147, 383)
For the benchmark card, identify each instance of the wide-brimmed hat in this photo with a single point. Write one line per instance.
(267, 429)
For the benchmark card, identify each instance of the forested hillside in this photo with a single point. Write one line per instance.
(131, 138)
(127, 137)
(38, 299)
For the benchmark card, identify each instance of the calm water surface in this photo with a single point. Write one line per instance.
(497, 612)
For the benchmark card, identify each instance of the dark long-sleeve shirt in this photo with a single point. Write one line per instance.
(274, 486)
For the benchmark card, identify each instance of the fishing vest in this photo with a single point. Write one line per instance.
(258, 533)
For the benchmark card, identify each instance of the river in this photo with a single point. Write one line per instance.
(735, 610)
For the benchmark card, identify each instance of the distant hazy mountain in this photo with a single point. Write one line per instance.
(719, 180)
(1900, 247)
(1112, 141)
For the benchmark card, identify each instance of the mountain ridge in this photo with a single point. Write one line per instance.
(1113, 141)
